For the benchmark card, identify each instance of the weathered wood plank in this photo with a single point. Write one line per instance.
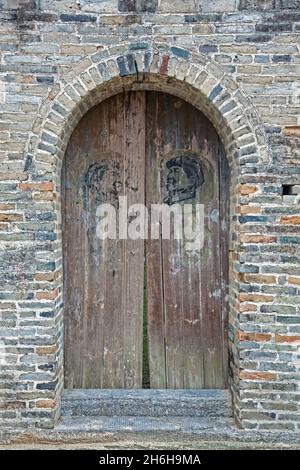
(155, 287)
(133, 278)
(224, 247)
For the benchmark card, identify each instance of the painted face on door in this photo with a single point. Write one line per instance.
(94, 184)
(102, 184)
(184, 177)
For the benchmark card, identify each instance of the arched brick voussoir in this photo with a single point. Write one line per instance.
(161, 67)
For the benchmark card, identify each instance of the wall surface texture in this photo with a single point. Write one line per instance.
(236, 60)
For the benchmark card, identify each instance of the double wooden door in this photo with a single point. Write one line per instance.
(153, 148)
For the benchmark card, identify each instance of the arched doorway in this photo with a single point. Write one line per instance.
(153, 148)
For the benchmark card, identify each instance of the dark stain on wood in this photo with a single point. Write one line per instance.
(184, 177)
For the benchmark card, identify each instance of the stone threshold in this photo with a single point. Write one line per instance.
(148, 433)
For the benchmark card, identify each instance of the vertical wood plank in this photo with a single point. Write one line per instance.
(154, 257)
(133, 261)
(224, 247)
(111, 269)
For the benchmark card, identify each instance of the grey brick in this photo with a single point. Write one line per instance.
(78, 18)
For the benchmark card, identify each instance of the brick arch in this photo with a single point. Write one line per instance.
(137, 66)
(189, 75)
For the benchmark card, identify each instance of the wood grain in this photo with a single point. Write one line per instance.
(186, 308)
(153, 148)
(103, 284)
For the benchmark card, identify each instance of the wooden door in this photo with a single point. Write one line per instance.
(185, 163)
(103, 325)
(153, 148)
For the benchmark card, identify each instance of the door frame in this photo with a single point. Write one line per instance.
(188, 75)
(82, 142)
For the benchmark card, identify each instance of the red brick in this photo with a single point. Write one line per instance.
(258, 337)
(290, 220)
(45, 350)
(245, 297)
(293, 131)
(250, 375)
(10, 217)
(244, 307)
(50, 276)
(246, 189)
(46, 404)
(6, 207)
(48, 295)
(246, 238)
(250, 209)
(164, 64)
(259, 278)
(279, 338)
(48, 186)
(294, 280)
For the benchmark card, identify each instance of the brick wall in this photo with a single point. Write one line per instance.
(238, 61)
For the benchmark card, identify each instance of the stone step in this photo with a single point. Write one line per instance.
(140, 432)
(142, 424)
(152, 403)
